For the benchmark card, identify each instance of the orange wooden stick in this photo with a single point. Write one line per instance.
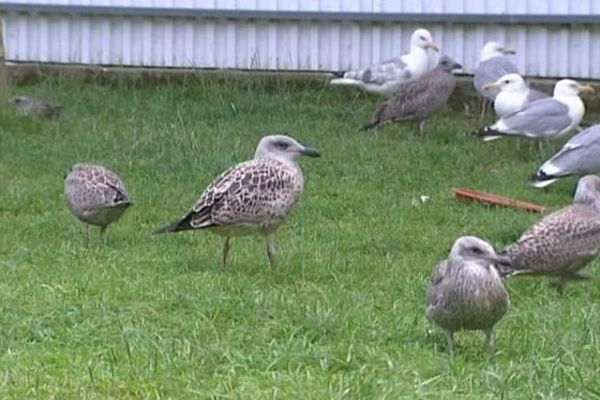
(471, 194)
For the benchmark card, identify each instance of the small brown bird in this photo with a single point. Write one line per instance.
(95, 195)
(33, 106)
(561, 243)
(466, 290)
(253, 196)
(418, 98)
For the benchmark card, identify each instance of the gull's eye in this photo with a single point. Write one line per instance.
(422, 38)
(506, 82)
(281, 145)
(476, 250)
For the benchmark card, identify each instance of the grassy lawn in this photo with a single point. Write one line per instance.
(138, 315)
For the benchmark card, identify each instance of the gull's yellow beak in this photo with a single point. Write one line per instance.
(586, 88)
(489, 85)
(433, 46)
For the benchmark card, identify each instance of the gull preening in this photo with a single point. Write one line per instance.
(33, 106)
(95, 194)
(466, 290)
(417, 99)
(253, 196)
(561, 243)
(543, 119)
(579, 156)
(384, 78)
(493, 64)
(514, 94)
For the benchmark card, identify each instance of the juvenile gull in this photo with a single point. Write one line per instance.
(384, 78)
(466, 290)
(33, 106)
(563, 242)
(419, 98)
(514, 94)
(579, 156)
(545, 118)
(95, 194)
(253, 196)
(493, 64)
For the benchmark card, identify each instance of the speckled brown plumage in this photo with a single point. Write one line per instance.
(466, 290)
(95, 194)
(253, 196)
(33, 106)
(563, 242)
(418, 98)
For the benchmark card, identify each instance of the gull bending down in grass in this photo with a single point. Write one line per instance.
(466, 290)
(253, 196)
(95, 195)
(543, 119)
(384, 78)
(579, 156)
(514, 94)
(32, 106)
(418, 98)
(561, 243)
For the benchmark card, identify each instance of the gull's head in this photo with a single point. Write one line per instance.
(447, 64)
(588, 191)
(422, 38)
(473, 249)
(508, 83)
(19, 100)
(282, 147)
(494, 49)
(569, 87)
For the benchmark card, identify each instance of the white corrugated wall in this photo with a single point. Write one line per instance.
(547, 50)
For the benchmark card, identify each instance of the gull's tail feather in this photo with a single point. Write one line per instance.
(488, 133)
(344, 81)
(540, 179)
(338, 74)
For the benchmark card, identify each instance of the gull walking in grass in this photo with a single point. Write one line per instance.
(579, 156)
(493, 64)
(514, 94)
(33, 106)
(543, 119)
(95, 195)
(466, 290)
(419, 98)
(561, 243)
(253, 196)
(384, 78)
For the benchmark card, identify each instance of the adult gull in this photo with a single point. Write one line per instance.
(384, 78)
(514, 94)
(545, 118)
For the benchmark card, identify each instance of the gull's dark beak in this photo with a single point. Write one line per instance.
(508, 51)
(501, 259)
(456, 66)
(310, 151)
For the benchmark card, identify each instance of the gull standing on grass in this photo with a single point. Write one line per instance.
(32, 106)
(418, 98)
(579, 156)
(493, 64)
(514, 94)
(95, 195)
(466, 290)
(561, 243)
(253, 196)
(384, 78)
(543, 119)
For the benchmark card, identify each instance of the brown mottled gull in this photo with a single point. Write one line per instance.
(33, 106)
(419, 98)
(253, 196)
(384, 78)
(95, 194)
(466, 290)
(563, 242)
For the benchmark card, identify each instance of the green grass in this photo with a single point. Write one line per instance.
(155, 316)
